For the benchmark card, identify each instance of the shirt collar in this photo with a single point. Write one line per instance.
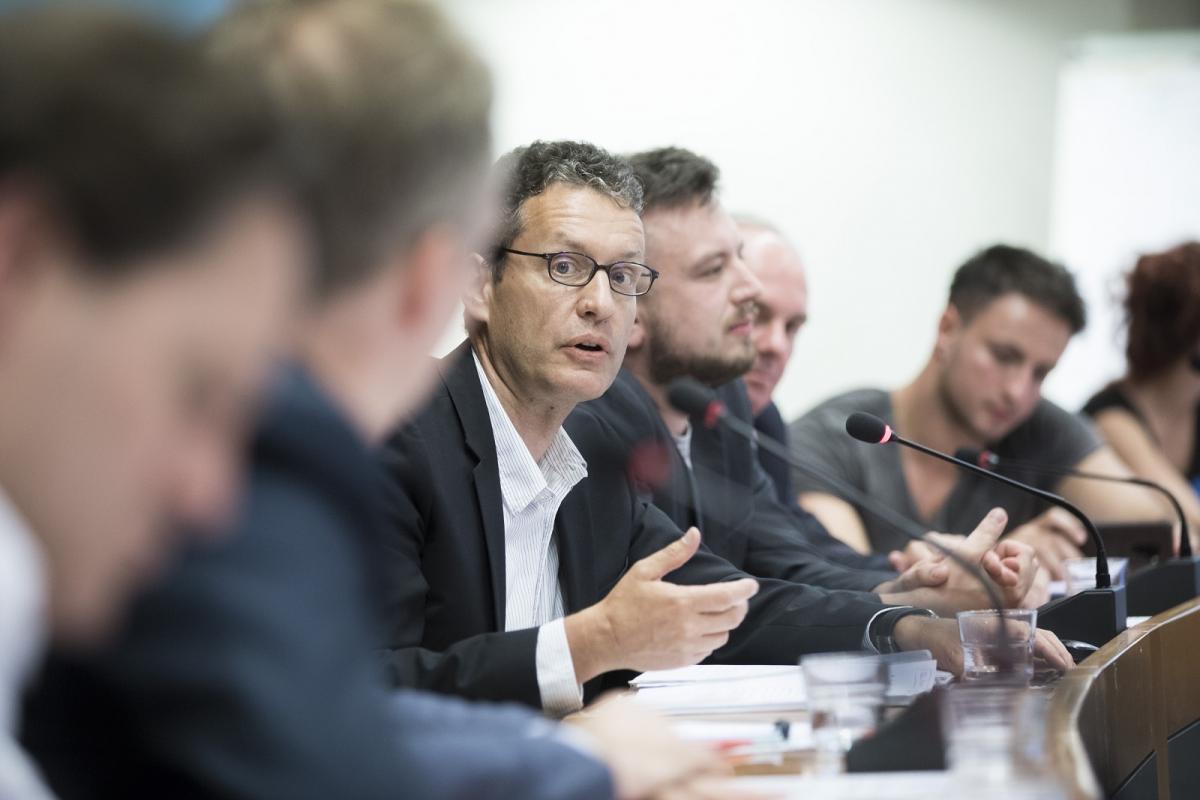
(22, 606)
(523, 480)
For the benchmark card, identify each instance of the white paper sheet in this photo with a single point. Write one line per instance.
(703, 673)
(709, 688)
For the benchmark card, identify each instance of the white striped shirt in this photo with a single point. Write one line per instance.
(23, 598)
(532, 492)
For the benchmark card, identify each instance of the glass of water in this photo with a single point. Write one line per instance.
(995, 741)
(989, 655)
(845, 696)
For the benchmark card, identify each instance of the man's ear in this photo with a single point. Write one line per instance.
(637, 336)
(19, 220)
(950, 325)
(28, 241)
(425, 286)
(477, 299)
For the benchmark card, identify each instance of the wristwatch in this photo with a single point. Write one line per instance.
(881, 632)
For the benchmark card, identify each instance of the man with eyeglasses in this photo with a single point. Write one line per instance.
(521, 563)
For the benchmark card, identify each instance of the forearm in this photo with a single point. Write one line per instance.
(494, 666)
(590, 638)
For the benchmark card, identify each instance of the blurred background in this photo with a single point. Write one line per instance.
(890, 139)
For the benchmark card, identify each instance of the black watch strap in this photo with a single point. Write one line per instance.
(882, 627)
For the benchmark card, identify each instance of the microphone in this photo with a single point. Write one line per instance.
(1094, 615)
(872, 430)
(914, 739)
(701, 404)
(1153, 588)
(989, 460)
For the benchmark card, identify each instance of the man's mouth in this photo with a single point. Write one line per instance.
(589, 343)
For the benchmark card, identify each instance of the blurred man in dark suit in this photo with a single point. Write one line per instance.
(251, 672)
(149, 262)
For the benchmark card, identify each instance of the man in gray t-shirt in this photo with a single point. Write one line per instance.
(1050, 436)
(1010, 315)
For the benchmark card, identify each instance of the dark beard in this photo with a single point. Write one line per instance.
(666, 365)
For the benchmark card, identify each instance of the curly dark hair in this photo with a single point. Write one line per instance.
(528, 171)
(1003, 269)
(1162, 309)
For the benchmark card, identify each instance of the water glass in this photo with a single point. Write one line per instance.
(845, 696)
(995, 741)
(989, 657)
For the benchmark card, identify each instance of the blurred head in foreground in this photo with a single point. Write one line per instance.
(387, 113)
(149, 263)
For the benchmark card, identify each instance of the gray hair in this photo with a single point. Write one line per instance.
(528, 171)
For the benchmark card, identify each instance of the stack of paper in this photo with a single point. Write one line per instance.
(711, 688)
(737, 688)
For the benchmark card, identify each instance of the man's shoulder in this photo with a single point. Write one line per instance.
(1050, 433)
(626, 408)
(833, 410)
(304, 447)
(1048, 414)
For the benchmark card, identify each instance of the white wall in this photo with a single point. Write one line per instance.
(890, 139)
(1127, 180)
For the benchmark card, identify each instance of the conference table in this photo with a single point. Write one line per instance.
(1124, 724)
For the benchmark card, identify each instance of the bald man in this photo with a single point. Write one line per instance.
(782, 312)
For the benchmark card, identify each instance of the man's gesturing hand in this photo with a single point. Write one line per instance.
(647, 623)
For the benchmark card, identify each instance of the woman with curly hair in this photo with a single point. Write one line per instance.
(1151, 417)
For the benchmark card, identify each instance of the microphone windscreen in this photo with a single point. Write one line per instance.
(690, 396)
(867, 428)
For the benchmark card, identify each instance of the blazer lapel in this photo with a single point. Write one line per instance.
(462, 384)
(575, 537)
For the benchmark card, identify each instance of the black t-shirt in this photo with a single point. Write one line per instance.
(1112, 396)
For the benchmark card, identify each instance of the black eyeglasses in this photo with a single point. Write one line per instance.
(576, 269)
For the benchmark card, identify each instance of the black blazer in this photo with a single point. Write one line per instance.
(252, 671)
(444, 569)
(732, 501)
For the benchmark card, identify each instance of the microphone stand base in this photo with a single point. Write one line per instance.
(1093, 615)
(1154, 589)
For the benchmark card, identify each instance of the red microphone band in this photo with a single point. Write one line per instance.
(713, 413)
(888, 433)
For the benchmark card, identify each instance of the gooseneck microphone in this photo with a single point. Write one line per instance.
(914, 738)
(701, 404)
(1155, 587)
(1093, 615)
(872, 430)
(989, 460)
